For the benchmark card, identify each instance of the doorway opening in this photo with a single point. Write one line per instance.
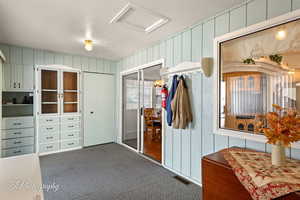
(142, 123)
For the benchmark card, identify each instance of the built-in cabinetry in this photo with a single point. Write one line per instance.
(58, 109)
(18, 77)
(17, 136)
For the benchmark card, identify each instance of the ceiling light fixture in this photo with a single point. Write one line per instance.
(130, 8)
(88, 45)
(156, 25)
(280, 35)
(121, 14)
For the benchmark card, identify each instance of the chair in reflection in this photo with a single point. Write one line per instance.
(152, 123)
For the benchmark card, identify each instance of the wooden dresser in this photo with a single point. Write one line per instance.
(220, 183)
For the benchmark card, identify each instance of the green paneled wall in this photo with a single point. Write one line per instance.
(184, 148)
(30, 56)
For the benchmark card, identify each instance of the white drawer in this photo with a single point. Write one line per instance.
(50, 128)
(19, 142)
(70, 144)
(49, 120)
(70, 119)
(48, 138)
(48, 147)
(17, 133)
(69, 135)
(17, 122)
(67, 127)
(17, 151)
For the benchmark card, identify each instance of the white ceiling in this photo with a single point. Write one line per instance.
(62, 25)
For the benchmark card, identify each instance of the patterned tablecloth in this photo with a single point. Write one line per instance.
(263, 180)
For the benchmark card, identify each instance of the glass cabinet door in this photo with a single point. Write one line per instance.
(49, 92)
(70, 92)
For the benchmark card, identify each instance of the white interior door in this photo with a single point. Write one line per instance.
(98, 108)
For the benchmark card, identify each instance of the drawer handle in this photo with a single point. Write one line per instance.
(70, 118)
(17, 133)
(71, 143)
(49, 128)
(49, 138)
(71, 126)
(49, 120)
(17, 124)
(49, 147)
(18, 142)
(18, 151)
(71, 135)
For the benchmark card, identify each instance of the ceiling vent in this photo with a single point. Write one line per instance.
(139, 19)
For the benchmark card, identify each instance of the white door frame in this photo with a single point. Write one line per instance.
(136, 70)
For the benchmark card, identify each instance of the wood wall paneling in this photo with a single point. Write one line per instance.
(197, 43)
(92, 65)
(76, 60)
(84, 63)
(187, 45)
(100, 65)
(278, 7)
(170, 52)
(295, 4)
(196, 126)
(49, 58)
(156, 55)
(68, 60)
(39, 57)
(238, 18)
(58, 59)
(177, 50)
(256, 11)
(207, 94)
(27, 55)
(16, 55)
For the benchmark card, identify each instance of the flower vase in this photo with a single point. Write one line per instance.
(278, 154)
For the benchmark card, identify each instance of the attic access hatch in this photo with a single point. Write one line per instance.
(139, 19)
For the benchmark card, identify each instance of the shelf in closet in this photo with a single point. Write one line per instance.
(48, 90)
(70, 102)
(71, 91)
(49, 103)
(17, 104)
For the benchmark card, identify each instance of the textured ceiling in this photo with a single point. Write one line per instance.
(62, 25)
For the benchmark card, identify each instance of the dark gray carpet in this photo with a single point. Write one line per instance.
(132, 143)
(111, 172)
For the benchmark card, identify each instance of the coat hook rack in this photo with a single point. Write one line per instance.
(205, 67)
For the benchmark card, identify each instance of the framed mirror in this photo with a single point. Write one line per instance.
(255, 68)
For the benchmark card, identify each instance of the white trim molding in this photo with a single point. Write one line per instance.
(127, 72)
(292, 16)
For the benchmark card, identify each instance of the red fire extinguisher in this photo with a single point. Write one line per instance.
(164, 95)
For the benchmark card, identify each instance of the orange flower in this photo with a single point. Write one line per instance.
(283, 126)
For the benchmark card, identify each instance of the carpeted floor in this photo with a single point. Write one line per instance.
(109, 172)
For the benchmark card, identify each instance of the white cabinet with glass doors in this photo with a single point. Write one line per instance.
(58, 108)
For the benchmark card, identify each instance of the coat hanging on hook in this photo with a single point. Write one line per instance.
(170, 98)
(181, 107)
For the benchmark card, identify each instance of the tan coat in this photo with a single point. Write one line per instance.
(181, 107)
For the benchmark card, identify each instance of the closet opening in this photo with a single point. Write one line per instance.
(142, 124)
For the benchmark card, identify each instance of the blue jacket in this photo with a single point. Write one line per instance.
(170, 98)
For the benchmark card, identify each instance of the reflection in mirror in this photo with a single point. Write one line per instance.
(258, 70)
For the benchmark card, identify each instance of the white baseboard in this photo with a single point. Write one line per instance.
(59, 151)
(189, 179)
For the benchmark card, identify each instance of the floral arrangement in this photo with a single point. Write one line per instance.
(283, 126)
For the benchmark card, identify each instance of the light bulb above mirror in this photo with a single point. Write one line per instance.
(280, 35)
(88, 45)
